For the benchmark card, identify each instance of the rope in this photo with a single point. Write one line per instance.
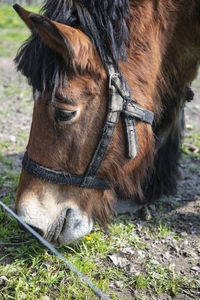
(97, 291)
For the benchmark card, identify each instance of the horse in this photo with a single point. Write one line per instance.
(110, 80)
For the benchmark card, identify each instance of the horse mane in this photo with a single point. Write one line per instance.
(103, 21)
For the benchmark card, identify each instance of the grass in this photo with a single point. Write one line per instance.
(13, 31)
(191, 142)
(37, 273)
(159, 280)
(34, 273)
(10, 19)
(194, 169)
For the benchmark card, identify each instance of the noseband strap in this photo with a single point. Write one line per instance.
(61, 177)
(120, 104)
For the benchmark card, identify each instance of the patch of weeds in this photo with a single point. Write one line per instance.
(9, 226)
(42, 274)
(163, 231)
(4, 113)
(13, 30)
(4, 146)
(194, 169)
(160, 208)
(7, 146)
(124, 235)
(191, 145)
(158, 280)
(185, 149)
(21, 141)
(193, 261)
(11, 39)
(23, 92)
(5, 160)
(158, 230)
(9, 179)
(176, 204)
(9, 17)
(122, 231)
(11, 89)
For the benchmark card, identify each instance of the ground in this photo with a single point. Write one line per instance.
(152, 254)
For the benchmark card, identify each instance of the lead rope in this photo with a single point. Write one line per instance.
(97, 291)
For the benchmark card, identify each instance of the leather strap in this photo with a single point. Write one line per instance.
(61, 177)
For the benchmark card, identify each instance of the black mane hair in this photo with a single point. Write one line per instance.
(103, 21)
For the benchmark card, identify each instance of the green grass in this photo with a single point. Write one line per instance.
(11, 40)
(159, 280)
(191, 139)
(194, 169)
(13, 31)
(34, 273)
(10, 19)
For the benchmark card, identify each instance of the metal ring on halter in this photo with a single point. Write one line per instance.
(115, 75)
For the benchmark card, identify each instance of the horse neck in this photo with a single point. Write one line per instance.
(164, 43)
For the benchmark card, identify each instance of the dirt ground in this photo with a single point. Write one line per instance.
(180, 212)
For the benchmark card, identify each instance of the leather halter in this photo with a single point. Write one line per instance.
(120, 103)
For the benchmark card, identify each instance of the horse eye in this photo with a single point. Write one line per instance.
(61, 115)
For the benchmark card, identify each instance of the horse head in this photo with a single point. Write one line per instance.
(68, 120)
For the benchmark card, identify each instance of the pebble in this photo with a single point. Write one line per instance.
(196, 269)
(146, 214)
(118, 284)
(183, 234)
(166, 255)
(3, 280)
(131, 269)
(154, 262)
(186, 254)
(140, 254)
(185, 243)
(13, 138)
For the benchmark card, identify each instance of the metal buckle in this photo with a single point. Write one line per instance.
(111, 77)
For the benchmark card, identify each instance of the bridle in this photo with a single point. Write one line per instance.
(119, 103)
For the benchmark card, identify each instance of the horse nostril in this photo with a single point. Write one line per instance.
(68, 212)
(72, 219)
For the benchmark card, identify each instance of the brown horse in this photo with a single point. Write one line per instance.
(154, 44)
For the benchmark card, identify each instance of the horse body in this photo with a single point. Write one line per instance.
(66, 67)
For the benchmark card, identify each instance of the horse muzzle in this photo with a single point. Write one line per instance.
(59, 225)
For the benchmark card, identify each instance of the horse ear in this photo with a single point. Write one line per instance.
(68, 41)
(45, 28)
(53, 34)
(24, 15)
